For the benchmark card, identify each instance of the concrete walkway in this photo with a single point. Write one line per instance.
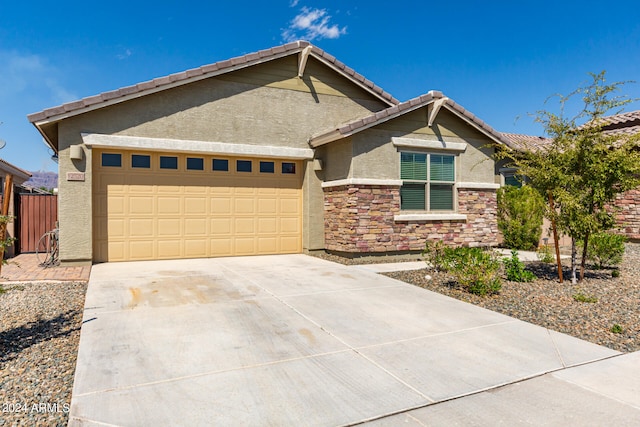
(26, 268)
(295, 340)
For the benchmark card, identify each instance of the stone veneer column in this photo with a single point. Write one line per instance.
(628, 217)
(360, 219)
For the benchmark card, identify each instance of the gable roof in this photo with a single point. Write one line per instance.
(432, 97)
(61, 112)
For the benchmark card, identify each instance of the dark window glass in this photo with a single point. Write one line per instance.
(111, 159)
(168, 162)
(267, 167)
(220, 165)
(288, 167)
(243, 165)
(195, 164)
(412, 196)
(140, 161)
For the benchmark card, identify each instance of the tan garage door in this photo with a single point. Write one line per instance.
(167, 206)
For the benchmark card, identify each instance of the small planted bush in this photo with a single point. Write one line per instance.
(606, 249)
(438, 254)
(520, 212)
(616, 329)
(580, 297)
(515, 271)
(545, 254)
(475, 269)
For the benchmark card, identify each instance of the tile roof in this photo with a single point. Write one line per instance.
(140, 89)
(374, 119)
(615, 125)
(622, 118)
(522, 142)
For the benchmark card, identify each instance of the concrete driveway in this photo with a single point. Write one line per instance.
(295, 340)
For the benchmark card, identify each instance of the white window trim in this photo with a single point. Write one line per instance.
(457, 147)
(430, 217)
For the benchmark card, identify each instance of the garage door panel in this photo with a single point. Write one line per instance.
(267, 245)
(195, 248)
(144, 214)
(244, 225)
(245, 246)
(221, 226)
(195, 226)
(290, 225)
(244, 206)
(169, 205)
(267, 225)
(141, 227)
(116, 205)
(289, 206)
(140, 250)
(168, 249)
(290, 244)
(221, 206)
(195, 205)
(139, 205)
(169, 227)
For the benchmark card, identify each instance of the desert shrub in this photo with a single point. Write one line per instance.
(606, 249)
(514, 269)
(439, 255)
(476, 270)
(580, 297)
(520, 212)
(545, 254)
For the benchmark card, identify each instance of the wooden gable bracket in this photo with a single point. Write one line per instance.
(433, 109)
(302, 60)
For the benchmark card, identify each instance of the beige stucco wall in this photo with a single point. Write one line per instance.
(273, 108)
(375, 157)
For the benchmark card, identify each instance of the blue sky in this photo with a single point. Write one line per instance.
(499, 59)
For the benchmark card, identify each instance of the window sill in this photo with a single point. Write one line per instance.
(430, 217)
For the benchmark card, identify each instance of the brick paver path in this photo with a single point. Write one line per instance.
(25, 268)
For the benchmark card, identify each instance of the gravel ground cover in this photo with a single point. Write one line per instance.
(39, 334)
(548, 303)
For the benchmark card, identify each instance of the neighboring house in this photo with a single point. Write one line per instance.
(20, 176)
(629, 203)
(285, 150)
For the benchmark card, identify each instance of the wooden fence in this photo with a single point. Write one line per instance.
(37, 214)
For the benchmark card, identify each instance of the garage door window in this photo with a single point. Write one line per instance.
(195, 164)
(267, 167)
(288, 168)
(111, 160)
(168, 162)
(243, 165)
(220, 165)
(140, 161)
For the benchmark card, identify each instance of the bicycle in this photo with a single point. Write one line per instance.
(47, 249)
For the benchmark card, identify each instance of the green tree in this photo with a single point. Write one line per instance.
(584, 168)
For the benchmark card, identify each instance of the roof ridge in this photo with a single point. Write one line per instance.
(201, 72)
(420, 101)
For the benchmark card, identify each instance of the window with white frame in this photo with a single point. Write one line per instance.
(428, 181)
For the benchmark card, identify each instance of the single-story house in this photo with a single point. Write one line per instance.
(285, 150)
(628, 216)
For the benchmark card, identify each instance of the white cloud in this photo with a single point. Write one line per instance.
(124, 55)
(311, 24)
(294, 3)
(29, 74)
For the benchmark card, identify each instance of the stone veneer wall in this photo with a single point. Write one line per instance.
(359, 218)
(629, 215)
